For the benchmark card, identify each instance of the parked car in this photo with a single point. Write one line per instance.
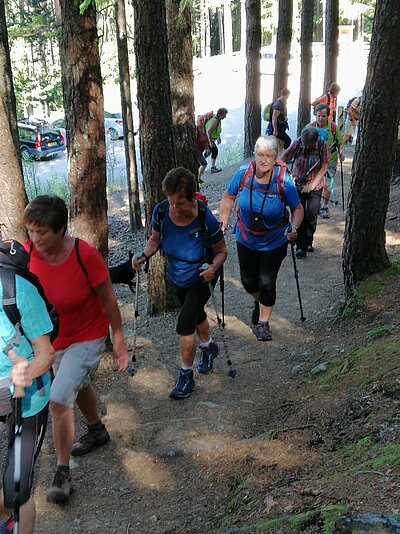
(113, 124)
(59, 125)
(39, 140)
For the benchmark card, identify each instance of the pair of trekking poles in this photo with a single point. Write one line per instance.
(220, 320)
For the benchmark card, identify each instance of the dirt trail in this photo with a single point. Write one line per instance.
(174, 466)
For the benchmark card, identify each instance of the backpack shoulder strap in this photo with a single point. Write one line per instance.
(328, 97)
(78, 257)
(9, 301)
(202, 216)
(280, 182)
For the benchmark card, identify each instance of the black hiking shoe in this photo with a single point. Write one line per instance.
(184, 385)
(263, 332)
(89, 441)
(214, 170)
(255, 315)
(206, 363)
(310, 248)
(300, 253)
(61, 489)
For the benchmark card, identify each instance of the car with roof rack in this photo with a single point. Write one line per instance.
(39, 140)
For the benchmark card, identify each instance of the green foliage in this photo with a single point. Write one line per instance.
(377, 332)
(330, 514)
(56, 185)
(233, 154)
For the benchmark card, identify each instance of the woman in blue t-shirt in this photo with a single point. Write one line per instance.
(189, 236)
(262, 192)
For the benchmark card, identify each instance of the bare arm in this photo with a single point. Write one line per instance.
(220, 254)
(225, 209)
(150, 249)
(107, 297)
(317, 178)
(24, 371)
(296, 218)
(275, 116)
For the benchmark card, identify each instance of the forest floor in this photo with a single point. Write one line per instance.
(308, 431)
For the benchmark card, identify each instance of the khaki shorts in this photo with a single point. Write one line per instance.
(72, 367)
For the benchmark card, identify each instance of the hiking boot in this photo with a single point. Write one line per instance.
(255, 315)
(214, 170)
(325, 213)
(184, 385)
(89, 441)
(310, 248)
(61, 489)
(263, 332)
(206, 363)
(300, 253)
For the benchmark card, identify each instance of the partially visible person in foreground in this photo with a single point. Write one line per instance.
(76, 280)
(22, 362)
(263, 191)
(188, 244)
(202, 147)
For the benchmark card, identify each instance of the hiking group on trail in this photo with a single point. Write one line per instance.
(274, 207)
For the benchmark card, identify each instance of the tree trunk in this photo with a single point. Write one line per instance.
(84, 117)
(228, 27)
(126, 106)
(364, 250)
(283, 40)
(331, 42)
(303, 114)
(156, 140)
(12, 189)
(252, 106)
(180, 63)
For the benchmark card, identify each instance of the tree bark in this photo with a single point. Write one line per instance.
(364, 250)
(252, 106)
(243, 26)
(180, 63)
(303, 114)
(135, 215)
(283, 40)
(13, 197)
(156, 139)
(84, 117)
(331, 42)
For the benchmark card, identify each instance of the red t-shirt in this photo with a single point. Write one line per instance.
(81, 313)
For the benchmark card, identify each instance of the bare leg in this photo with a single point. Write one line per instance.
(87, 403)
(188, 349)
(27, 515)
(203, 331)
(202, 168)
(63, 431)
(326, 193)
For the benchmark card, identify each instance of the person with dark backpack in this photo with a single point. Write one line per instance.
(190, 237)
(310, 156)
(278, 123)
(262, 192)
(76, 280)
(26, 356)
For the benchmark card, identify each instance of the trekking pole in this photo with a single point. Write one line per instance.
(132, 369)
(335, 202)
(341, 180)
(221, 325)
(18, 396)
(296, 276)
(222, 288)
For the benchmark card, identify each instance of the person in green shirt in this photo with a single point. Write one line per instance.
(213, 129)
(336, 145)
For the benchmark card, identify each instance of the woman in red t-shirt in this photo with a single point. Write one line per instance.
(75, 279)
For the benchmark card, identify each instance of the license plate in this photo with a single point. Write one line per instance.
(52, 143)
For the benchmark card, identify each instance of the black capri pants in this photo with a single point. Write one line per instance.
(214, 151)
(259, 270)
(192, 299)
(33, 432)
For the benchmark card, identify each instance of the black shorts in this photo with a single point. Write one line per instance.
(192, 299)
(33, 432)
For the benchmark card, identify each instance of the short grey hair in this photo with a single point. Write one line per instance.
(269, 142)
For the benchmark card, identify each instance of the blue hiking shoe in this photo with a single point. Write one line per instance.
(184, 385)
(206, 363)
(7, 527)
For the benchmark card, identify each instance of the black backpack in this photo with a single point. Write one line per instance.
(14, 259)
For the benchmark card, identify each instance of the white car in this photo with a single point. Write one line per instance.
(113, 124)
